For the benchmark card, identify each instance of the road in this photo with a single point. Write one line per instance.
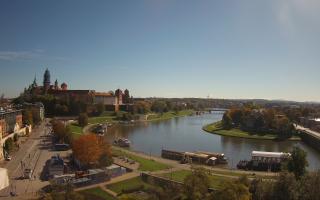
(33, 153)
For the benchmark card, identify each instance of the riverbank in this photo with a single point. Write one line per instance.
(216, 128)
(168, 115)
(77, 130)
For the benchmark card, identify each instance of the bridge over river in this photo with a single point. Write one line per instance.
(309, 136)
(217, 109)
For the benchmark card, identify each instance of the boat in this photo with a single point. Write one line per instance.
(122, 142)
(264, 161)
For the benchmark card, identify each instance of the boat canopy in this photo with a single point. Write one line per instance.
(266, 154)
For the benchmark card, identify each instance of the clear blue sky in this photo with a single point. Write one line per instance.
(224, 49)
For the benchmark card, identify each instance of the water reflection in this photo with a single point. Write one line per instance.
(185, 134)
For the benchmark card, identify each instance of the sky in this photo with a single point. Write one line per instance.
(166, 48)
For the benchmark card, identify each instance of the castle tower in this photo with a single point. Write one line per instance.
(46, 81)
(56, 85)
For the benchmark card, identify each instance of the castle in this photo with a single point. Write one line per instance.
(111, 100)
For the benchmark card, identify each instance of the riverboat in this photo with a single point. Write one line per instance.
(122, 142)
(264, 161)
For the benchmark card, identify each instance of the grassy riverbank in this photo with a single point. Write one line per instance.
(216, 128)
(169, 115)
(108, 117)
(145, 164)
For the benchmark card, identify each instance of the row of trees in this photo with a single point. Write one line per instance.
(31, 116)
(258, 120)
(157, 106)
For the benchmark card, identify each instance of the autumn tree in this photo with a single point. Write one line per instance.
(89, 149)
(236, 116)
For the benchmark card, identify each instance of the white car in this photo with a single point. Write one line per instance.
(8, 158)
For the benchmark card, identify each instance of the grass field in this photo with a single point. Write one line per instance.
(169, 115)
(96, 194)
(216, 128)
(101, 119)
(145, 164)
(215, 181)
(128, 184)
(75, 129)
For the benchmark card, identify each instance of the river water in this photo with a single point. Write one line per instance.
(186, 134)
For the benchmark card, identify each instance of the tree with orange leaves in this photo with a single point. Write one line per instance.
(88, 149)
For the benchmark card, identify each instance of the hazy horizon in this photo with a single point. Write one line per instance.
(218, 49)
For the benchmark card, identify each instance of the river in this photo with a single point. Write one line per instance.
(186, 134)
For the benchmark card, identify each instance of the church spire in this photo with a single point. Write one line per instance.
(46, 80)
(34, 84)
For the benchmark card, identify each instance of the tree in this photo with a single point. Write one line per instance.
(35, 116)
(141, 107)
(159, 106)
(8, 145)
(60, 131)
(226, 121)
(236, 116)
(237, 190)
(298, 162)
(309, 186)
(196, 185)
(88, 149)
(27, 117)
(62, 192)
(285, 188)
(83, 119)
(100, 108)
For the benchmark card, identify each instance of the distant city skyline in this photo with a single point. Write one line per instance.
(221, 49)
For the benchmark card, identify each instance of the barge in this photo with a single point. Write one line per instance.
(199, 157)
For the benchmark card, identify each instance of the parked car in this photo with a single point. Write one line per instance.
(8, 158)
(27, 173)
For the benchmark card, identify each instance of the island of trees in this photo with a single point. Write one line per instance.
(256, 123)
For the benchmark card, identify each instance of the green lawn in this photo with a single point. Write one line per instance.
(96, 194)
(128, 185)
(75, 129)
(169, 115)
(100, 119)
(145, 164)
(216, 128)
(215, 181)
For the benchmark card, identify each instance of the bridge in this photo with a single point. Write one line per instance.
(309, 136)
(217, 109)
